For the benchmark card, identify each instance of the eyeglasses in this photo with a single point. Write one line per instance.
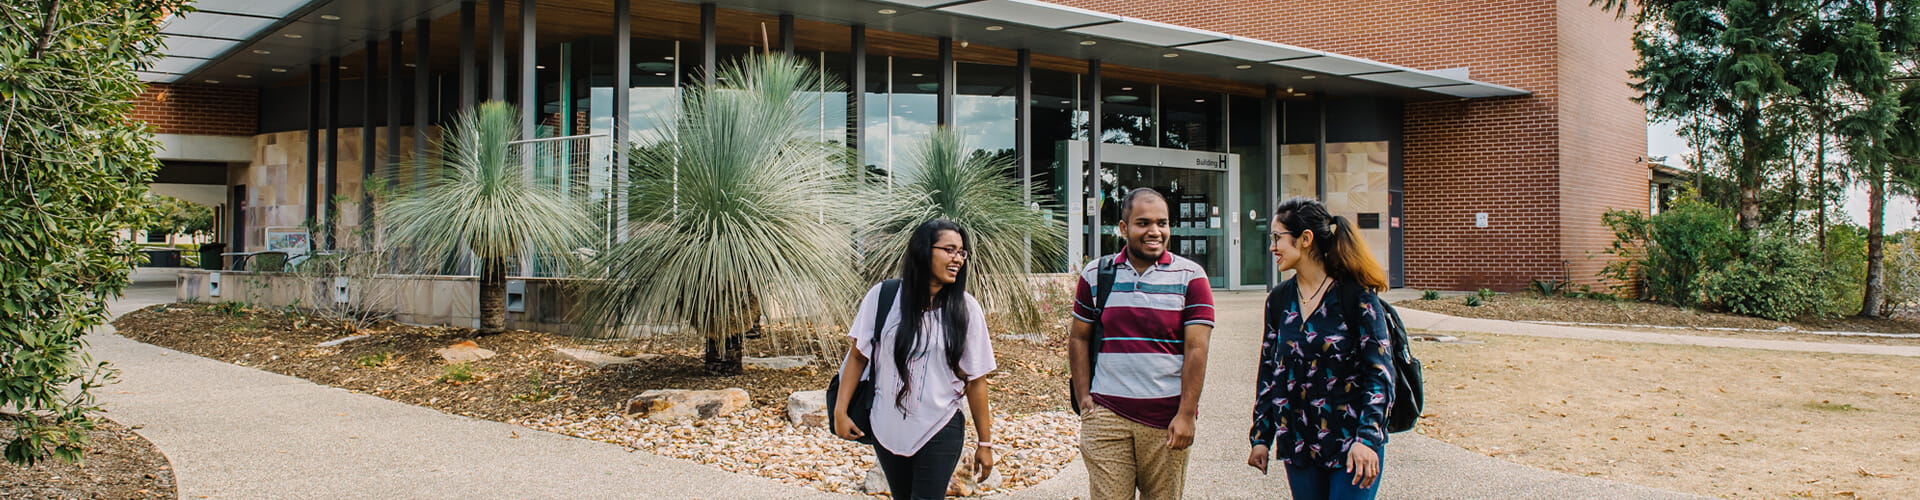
(955, 251)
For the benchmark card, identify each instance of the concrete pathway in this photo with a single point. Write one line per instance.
(234, 432)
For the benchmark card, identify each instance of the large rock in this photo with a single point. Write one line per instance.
(808, 409)
(778, 362)
(671, 404)
(463, 352)
(595, 359)
(876, 482)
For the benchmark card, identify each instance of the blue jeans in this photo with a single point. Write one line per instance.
(1315, 483)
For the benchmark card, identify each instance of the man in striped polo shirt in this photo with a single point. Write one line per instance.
(1139, 400)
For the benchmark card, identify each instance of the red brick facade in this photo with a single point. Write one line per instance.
(1544, 168)
(199, 110)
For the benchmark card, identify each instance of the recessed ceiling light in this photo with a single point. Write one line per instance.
(539, 67)
(1126, 88)
(330, 17)
(1300, 94)
(295, 36)
(1087, 42)
(1199, 100)
(888, 11)
(659, 74)
(995, 28)
(669, 58)
(243, 76)
(212, 81)
(343, 67)
(409, 65)
(1170, 54)
(1244, 66)
(919, 74)
(1289, 90)
(279, 70)
(262, 51)
(1064, 101)
(1309, 77)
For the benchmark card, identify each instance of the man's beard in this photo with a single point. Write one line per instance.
(1134, 253)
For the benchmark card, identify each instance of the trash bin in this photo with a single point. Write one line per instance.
(161, 257)
(210, 255)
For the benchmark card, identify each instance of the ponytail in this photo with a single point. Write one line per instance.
(1337, 244)
(1350, 258)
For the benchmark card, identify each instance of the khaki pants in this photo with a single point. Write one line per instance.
(1122, 455)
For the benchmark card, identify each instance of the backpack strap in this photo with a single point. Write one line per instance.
(1103, 289)
(888, 289)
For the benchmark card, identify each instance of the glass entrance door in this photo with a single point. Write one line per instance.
(1198, 186)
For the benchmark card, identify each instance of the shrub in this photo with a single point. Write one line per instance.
(1781, 278)
(1486, 294)
(1430, 295)
(1548, 287)
(376, 360)
(1660, 257)
(1903, 275)
(73, 173)
(1847, 256)
(461, 372)
(1474, 301)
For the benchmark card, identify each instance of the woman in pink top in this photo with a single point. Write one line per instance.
(920, 378)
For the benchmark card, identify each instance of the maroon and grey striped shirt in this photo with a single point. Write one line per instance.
(1143, 330)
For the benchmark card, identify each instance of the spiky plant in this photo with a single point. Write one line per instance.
(736, 212)
(480, 197)
(982, 193)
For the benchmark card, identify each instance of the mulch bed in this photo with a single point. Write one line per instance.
(1535, 307)
(118, 464)
(525, 379)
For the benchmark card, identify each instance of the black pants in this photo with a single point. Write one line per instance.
(925, 474)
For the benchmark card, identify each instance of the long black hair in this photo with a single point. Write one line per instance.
(1336, 243)
(915, 279)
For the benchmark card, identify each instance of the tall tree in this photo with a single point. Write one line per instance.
(1871, 40)
(1720, 68)
(73, 171)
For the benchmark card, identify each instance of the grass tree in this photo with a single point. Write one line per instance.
(734, 211)
(983, 193)
(480, 197)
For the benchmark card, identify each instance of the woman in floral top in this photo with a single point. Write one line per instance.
(1322, 396)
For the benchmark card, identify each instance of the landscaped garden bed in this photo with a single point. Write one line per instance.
(1545, 308)
(117, 464)
(527, 383)
(1712, 421)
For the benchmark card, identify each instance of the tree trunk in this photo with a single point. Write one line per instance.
(1820, 188)
(723, 353)
(1876, 240)
(493, 295)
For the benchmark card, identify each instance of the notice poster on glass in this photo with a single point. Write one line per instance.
(292, 240)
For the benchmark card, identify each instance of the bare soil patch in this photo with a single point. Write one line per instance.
(526, 384)
(118, 464)
(1712, 421)
(1535, 307)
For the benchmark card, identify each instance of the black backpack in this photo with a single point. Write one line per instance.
(860, 406)
(1101, 291)
(1403, 406)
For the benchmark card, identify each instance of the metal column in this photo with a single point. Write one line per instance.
(786, 34)
(1270, 142)
(943, 101)
(368, 154)
(394, 70)
(332, 114)
(709, 42)
(422, 99)
(469, 70)
(497, 50)
(529, 80)
(622, 81)
(1023, 140)
(1320, 148)
(1093, 156)
(313, 143)
(856, 119)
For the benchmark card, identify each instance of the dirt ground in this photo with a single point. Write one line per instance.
(118, 464)
(525, 379)
(1534, 307)
(1719, 422)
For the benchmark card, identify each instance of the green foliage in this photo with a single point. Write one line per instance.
(1781, 278)
(1486, 294)
(1475, 301)
(1847, 257)
(744, 212)
(459, 373)
(481, 198)
(73, 171)
(1547, 287)
(978, 192)
(177, 216)
(1659, 257)
(231, 309)
(376, 360)
(1430, 295)
(537, 389)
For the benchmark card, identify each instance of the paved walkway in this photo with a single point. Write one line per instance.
(234, 432)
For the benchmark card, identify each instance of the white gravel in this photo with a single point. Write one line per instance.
(761, 442)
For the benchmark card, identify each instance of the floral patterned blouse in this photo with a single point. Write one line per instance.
(1321, 388)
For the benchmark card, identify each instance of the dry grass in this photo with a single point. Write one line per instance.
(1720, 422)
(1533, 307)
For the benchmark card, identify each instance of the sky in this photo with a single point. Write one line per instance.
(1662, 140)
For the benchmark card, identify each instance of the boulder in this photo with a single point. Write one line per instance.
(1024, 337)
(808, 409)
(463, 352)
(595, 359)
(673, 404)
(778, 362)
(876, 483)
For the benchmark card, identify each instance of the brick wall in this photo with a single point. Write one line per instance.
(198, 109)
(1542, 167)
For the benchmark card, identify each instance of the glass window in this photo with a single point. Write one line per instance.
(1126, 112)
(1246, 138)
(1059, 115)
(1191, 119)
(984, 107)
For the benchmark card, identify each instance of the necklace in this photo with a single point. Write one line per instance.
(1325, 284)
